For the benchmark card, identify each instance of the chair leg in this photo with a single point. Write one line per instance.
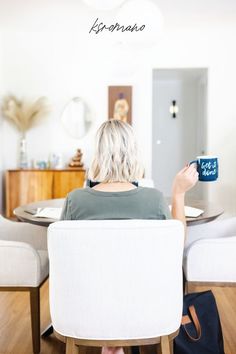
(186, 288)
(71, 347)
(128, 350)
(172, 346)
(158, 348)
(141, 350)
(165, 345)
(35, 318)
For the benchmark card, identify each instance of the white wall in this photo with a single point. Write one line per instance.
(61, 65)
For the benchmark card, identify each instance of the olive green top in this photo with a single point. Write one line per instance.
(138, 203)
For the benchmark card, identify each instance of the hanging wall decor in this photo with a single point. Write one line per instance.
(76, 118)
(120, 103)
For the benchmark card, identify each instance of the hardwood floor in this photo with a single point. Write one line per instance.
(15, 330)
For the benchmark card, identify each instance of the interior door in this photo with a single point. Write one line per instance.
(176, 140)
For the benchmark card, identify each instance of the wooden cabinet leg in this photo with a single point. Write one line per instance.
(35, 318)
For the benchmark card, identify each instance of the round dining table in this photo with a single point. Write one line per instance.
(26, 212)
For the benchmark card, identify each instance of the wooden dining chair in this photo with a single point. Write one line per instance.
(24, 265)
(116, 282)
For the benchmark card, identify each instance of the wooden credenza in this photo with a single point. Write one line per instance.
(31, 185)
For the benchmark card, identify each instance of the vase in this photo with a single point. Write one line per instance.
(23, 159)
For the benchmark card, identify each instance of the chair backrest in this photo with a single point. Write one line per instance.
(116, 279)
(146, 182)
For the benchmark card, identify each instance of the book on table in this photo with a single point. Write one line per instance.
(50, 213)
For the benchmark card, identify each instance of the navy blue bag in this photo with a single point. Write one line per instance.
(200, 331)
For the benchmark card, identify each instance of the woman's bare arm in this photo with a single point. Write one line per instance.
(183, 181)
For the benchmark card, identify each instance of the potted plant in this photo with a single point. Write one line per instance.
(23, 114)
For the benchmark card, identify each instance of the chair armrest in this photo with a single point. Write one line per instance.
(19, 264)
(34, 235)
(211, 260)
(214, 229)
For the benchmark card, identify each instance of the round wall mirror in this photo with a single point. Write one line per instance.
(75, 118)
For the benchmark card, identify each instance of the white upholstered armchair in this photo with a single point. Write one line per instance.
(210, 252)
(24, 265)
(116, 282)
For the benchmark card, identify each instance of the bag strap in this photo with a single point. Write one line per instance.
(186, 320)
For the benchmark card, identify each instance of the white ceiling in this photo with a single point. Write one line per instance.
(177, 13)
(198, 11)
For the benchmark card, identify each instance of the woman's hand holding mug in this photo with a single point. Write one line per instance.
(204, 169)
(185, 180)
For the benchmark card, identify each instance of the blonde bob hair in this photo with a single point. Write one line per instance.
(115, 158)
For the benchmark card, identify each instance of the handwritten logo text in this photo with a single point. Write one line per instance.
(99, 27)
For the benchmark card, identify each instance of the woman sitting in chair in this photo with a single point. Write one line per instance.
(115, 166)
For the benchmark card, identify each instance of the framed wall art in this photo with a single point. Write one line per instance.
(120, 103)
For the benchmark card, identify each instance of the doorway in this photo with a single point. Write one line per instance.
(179, 137)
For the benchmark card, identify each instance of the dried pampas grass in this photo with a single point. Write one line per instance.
(24, 114)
